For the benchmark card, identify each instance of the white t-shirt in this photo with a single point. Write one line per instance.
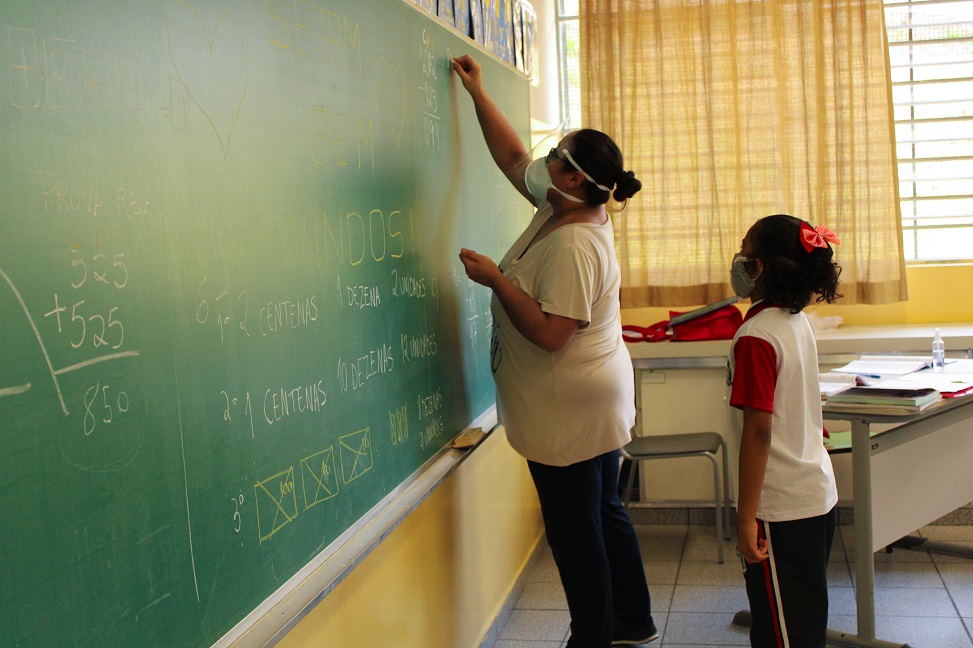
(773, 366)
(577, 403)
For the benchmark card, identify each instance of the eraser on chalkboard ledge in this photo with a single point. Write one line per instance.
(469, 438)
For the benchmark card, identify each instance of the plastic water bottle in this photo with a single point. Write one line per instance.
(938, 353)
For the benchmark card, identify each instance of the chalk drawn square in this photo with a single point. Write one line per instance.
(319, 477)
(276, 503)
(356, 454)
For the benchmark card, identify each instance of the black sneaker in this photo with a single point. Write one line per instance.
(622, 636)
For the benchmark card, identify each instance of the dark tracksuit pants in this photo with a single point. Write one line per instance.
(788, 592)
(595, 548)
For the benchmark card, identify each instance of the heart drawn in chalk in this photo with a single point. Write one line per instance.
(393, 92)
(211, 65)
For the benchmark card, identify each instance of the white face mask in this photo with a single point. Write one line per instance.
(740, 280)
(538, 180)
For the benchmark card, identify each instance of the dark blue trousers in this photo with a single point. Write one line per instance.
(595, 548)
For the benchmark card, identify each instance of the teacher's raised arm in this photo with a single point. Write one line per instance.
(505, 146)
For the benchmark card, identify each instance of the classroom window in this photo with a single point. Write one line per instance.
(931, 58)
(568, 41)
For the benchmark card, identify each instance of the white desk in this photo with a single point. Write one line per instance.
(681, 387)
(903, 479)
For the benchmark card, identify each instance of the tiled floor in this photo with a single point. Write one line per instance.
(923, 599)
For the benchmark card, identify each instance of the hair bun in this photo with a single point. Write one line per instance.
(627, 185)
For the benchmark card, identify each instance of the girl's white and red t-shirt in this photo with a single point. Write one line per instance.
(773, 366)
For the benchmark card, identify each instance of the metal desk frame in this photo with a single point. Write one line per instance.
(941, 416)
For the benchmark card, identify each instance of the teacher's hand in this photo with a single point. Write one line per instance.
(469, 73)
(479, 268)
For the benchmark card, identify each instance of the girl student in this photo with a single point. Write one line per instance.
(787, 496)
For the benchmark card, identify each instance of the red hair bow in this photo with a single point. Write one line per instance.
(817, 237)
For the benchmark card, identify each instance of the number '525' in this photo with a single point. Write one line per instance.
(100, 327)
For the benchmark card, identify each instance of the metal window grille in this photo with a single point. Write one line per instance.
(931, 57)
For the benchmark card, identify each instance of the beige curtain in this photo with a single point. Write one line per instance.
(728, 111)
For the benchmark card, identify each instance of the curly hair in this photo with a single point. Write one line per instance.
(793, 276)
(601, 158)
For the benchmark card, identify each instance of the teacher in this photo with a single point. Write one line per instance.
(564, 379)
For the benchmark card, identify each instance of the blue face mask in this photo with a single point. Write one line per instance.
(740, 279)
(538, 180)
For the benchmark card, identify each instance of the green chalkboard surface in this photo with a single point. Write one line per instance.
(232, 313)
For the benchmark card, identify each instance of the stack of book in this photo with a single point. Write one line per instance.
(831, 383)
(884, 400)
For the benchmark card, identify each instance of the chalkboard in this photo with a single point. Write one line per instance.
(232, 312)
